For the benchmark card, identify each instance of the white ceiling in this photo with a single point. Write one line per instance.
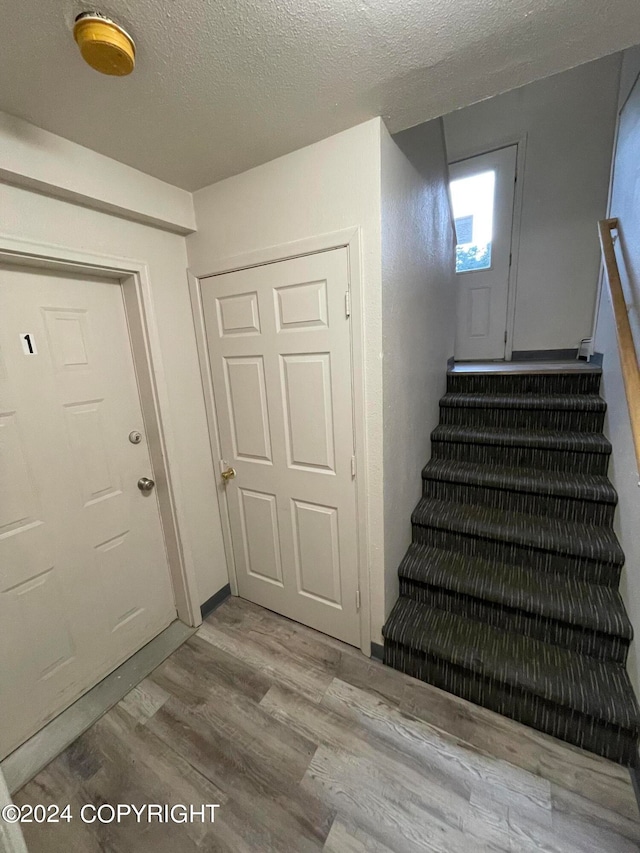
(223, 85)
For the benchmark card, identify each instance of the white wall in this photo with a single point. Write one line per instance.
(623, 470)
(418, 310)
(34, 158)
(329, 186)
(568, 121)
(332, 185)
(28, 215)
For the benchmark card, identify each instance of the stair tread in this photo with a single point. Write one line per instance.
(599, 689)
(553, 596)
(585, 442)
(521, 368)
(587, 487)
(564, 402)
(541, 532)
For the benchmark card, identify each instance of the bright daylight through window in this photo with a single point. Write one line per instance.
(472, 200)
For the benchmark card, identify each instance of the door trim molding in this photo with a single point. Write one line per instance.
(133, 277)
(351, 240)
(11, 837)
(27, 760)
(520, 141)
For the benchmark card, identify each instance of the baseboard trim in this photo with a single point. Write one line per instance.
(634, 773)
(554, 355)
(29, 759)
(377, 651)
(544, 354)
(215, 601)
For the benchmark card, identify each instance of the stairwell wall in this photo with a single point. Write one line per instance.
(623, 469)
(418, 314)
(566, 123)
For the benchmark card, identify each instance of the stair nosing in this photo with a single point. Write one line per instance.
(520, 680)
(524, 402)
(511, 536)
(419, 552)
(522, 368)
(541, 440)
(535, 476)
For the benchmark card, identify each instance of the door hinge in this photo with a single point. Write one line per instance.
(510, 258)
(347, 304)
(357, 599)
(505, 336)
(353, 466)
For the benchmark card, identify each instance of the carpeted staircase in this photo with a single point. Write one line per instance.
(509, 590)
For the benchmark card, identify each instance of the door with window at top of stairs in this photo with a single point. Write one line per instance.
(509, 590)
(482, 194)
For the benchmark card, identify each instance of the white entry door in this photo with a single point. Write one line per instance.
(482, 194)
(84, 579)
(280, 352)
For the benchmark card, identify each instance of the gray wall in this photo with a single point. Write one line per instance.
(567, 122)
(418, 311)
(623, 470)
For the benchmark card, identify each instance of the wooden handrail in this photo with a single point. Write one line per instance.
(626, 345)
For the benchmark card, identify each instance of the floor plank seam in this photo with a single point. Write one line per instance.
(325, 751)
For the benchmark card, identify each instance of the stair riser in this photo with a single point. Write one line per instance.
(593, 571)
(531, 419)
(522, 457)
(587, 512)
(615, 743)
(549, 383)
(601, 646)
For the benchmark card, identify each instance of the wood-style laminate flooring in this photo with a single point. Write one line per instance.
(307, 745)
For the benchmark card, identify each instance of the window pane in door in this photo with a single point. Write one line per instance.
(472, 200)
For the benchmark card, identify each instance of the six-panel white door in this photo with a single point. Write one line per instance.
(84, 578)
(280, 353)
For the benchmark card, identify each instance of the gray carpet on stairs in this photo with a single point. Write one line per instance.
(508, 592)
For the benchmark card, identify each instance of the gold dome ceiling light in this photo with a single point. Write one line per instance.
(104, 45)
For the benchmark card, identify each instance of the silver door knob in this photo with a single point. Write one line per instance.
(145, 484)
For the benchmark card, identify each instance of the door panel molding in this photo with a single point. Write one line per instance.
(350, 239)
(133, 277)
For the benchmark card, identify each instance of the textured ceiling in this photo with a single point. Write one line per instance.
(223, 85)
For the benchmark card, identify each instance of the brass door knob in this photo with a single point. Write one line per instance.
(229, 474)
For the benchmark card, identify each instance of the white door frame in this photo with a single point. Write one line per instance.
(133, 277)
(466, 154)
(11, 837)
(350, 239)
